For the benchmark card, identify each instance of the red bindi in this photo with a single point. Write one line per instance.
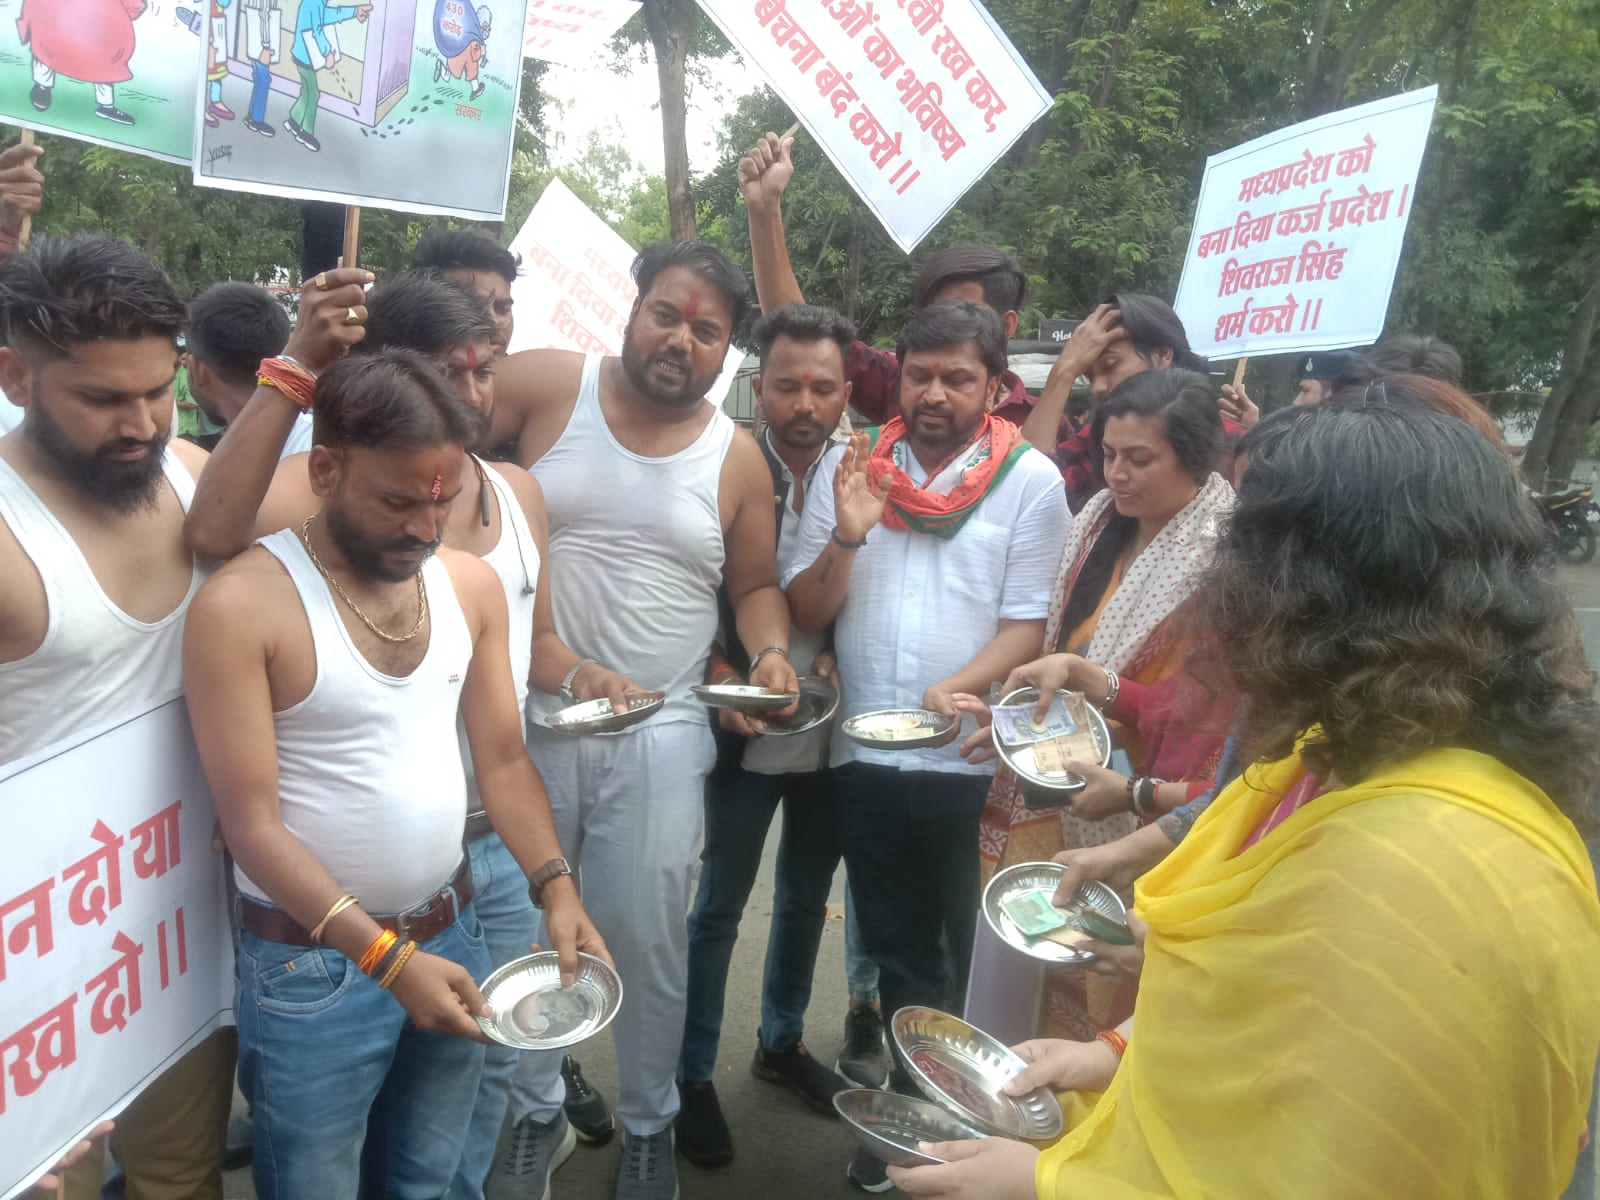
(805, 376)
(472, 358)
(691, 306)
(437, 489)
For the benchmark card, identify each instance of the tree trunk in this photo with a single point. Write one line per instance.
(1542, 446)
(1331, 96)
(670, 24)
(1108, 76)
(1583, 405)
(1319, 37)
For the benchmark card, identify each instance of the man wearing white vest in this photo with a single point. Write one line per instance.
(97, 586)
(326, 668)
(655, 499)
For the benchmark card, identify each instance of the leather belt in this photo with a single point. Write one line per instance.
(478, 826)
(428, 919)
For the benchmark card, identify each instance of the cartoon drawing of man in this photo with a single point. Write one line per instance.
(263, 23)
(88, 40)
(217, 65)
(459, 32)
(312, 50)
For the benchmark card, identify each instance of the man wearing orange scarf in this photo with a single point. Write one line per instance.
(932, 545)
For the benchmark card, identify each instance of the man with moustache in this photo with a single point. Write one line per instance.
(499, 517)
(655, 500)
(802, 393)
(97, 586)
(326, 668)
(931, 545)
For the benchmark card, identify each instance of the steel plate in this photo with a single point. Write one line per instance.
(1027, 877)
(742, 697)
(532, 1011)
(889, 1125)
(1020, 758)
(819, 701)
(595, 716)
(913, 727)
(963, 1069)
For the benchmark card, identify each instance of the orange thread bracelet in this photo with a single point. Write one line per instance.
(1115, 1040)
(287, 376)
(375, 952)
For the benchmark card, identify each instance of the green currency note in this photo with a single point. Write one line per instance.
(1033, 913)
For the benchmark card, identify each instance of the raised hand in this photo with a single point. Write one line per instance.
(21, 187)
(766, 170)
(1236, 405)
(858, 497)
(333, 316)
(1091, 337)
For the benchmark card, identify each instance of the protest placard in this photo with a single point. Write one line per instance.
(576, 287)
(407, 104)
(1297, 234)
(571, 32)
(913, 101)
(115, 956)
(118, 73)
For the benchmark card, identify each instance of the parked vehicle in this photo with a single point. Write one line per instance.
(1572, 515)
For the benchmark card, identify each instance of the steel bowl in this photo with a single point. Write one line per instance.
(889, 1125)
(1020, 758)
(532, 1011)
(1028, 877)
(819, 701)
(595, 716)
(963, 1069)
(742, 697)
(918, 727)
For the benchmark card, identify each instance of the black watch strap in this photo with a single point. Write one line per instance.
(553, 869)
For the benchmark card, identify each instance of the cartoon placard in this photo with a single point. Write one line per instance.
(117, 73)
(407, 104)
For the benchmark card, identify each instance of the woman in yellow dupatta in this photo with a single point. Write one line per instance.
(1371, 970)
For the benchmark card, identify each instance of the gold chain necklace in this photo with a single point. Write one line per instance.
(422, 593)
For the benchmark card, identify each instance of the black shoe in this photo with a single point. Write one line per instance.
(586, 1108)
(40, 97)
(477, 90)
(703, 1136)
(867, 1173)
(260, 127)
(864, 1061)
(240, 1146)
(112, 113)
(800, 1073)
(304, 136)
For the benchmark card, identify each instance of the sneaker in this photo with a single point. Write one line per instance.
(800, 1073)
(867, 1174)
(648, 1169)
(260, 127)
(586, 1108)
(529, 1155)
(112, 113)
(40, 97)
(703, 1135)
(864, 1061)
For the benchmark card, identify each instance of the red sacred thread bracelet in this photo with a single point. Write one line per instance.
(290, 378)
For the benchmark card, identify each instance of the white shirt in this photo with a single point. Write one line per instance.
(10, 416)
(299, 439)
(920, 607)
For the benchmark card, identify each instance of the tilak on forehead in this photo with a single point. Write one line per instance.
(437, 489)
(691, 305)
(472, 358)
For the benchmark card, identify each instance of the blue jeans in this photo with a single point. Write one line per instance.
(350, 1099)
(510, 927)
(739, 808)
(260, 88)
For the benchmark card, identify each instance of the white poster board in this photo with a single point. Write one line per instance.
(576, 288)
(1297, 234)
(403, 104)
(115, 955)
(571, 32)
(912, 100)
(118, 73)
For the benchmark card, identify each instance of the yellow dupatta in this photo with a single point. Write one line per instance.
(1395, 994)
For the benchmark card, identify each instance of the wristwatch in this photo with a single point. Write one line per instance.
(553, 869)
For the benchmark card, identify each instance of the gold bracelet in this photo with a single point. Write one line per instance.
(399, 965)
(339, 905)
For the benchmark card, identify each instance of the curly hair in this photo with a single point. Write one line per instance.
(1384, 580)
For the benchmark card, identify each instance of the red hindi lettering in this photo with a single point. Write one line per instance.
(155, 843)
(114, 994)
(92, 900)
(35, 927)
(46, 1044)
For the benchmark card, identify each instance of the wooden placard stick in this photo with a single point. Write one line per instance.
(352, 234)
(1238, 370)
(22, 244)
(790, 132)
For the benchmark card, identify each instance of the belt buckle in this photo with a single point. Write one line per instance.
(427, 908)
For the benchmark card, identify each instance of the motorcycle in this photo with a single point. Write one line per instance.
(1571, 514)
